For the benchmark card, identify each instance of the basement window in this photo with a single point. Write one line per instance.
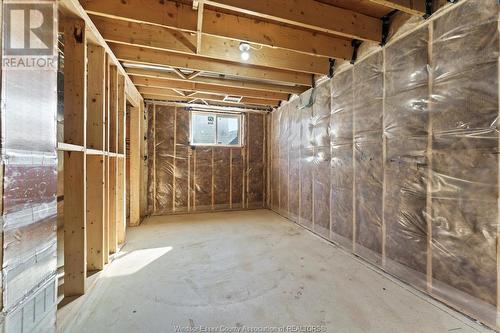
(215, 129)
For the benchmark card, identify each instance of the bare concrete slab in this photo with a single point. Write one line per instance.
(229, 271)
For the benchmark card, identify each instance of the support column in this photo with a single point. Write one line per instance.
(75, 114)
(95, 163)
(135, 163)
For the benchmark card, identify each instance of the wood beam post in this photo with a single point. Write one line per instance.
(106, 164)
(121, 213)
(95, 163)
(95, 212)
(113, 168)
(113, 161)
(199, 26)
(135, 163)
(75, 114)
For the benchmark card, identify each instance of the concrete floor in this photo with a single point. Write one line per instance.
(251, 269)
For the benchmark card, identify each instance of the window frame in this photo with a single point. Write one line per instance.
(216, 114)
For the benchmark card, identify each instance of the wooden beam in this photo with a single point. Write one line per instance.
(199, 101)
(199, 25)
(135, 164)
(208, 97)
(95, 100)
(113, 109)
(276, 35)
(413, 7)
(227, 49)
(144, 170)
(206, 88)
(75, 215)
(309, 14)
(121, 219)
(161, 38)
(75, 109)
(122, 110)
(95, 212)
(155, 57)
(95, 164)
(146, 35)
(106, 164)
(113, 148)
(261, 86)
(182, 17)
(73, 8)
(113, 168)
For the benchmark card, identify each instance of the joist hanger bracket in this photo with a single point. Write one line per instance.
(332, 68)
(429, 7)
(386, 24)
(355, 45)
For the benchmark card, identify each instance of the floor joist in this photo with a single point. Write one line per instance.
(206, 88)
(223, 82)
(182, 17)
(155, 57)
(161, 38)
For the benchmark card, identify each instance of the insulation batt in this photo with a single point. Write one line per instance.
(396, 158)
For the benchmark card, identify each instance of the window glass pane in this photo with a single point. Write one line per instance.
(203, 128)
(228, 130)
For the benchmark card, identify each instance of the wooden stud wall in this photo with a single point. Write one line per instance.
(95, 179)
(75, 82)
(96, 93)
(184, 179)
(135, 163)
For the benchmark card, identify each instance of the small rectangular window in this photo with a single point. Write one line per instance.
(215, 129)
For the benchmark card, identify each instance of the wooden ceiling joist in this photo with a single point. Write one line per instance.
(309, 14)
(155, 57)
(182, 17)
(202, 101)
(206, 88)
(161, 38)
(413, 7)
(151, 91)
(222, 82)
(72, 8)
(199, 25)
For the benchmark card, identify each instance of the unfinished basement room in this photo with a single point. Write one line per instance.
(266, 166)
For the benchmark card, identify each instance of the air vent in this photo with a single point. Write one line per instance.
(233, 99)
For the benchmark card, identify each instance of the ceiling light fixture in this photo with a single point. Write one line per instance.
(245, 51)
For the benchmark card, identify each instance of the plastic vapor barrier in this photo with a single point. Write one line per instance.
(399, 164)
(29, 187)
(185, 178)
